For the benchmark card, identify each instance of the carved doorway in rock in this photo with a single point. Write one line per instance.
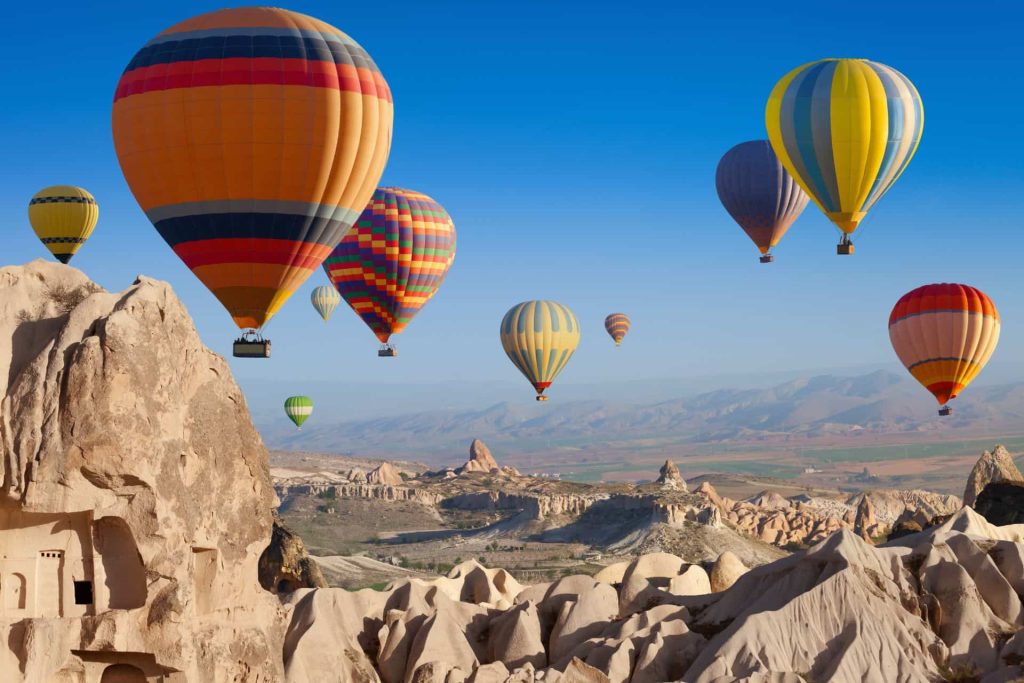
(123, 673)
(49, 591)
(15, 591)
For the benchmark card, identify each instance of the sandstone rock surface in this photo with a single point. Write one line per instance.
(131, 470)
(669, 476)
(993, 466)
(480, 459)
(384, 474)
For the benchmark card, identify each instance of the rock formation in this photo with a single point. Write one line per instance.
(285, 565)
(845, 611)
(480, 459)
(993, 466)
(135, 497)
(669, 476)
(384, 475)
(1002, 503)
(726, 571)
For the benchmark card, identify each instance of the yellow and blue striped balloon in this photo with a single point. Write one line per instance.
(325, 299)
(845, 129)
(63, 217)
(539, 338)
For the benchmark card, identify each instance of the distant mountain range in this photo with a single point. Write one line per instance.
(878, 402)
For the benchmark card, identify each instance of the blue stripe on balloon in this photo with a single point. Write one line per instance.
(803, 124)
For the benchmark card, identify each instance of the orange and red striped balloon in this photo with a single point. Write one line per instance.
(617, 325)
(252, 138)
(944, 334)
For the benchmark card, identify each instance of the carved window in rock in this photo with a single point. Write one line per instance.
(83, 592)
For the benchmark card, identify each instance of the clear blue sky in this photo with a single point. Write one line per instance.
(575, 144)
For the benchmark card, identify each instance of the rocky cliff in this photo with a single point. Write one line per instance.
(135, 497)
(993, 466)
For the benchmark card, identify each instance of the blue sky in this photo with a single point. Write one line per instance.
(575, 144)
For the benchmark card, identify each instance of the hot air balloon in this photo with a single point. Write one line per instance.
(393, 261)
(252, 138)
(298, 409)
(845, 129)
(540, 338)
(617, 325)
(759, 194)
(325, 299)
(944, 334)
(63, 217)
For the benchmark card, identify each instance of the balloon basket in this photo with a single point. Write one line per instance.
(844, 248)
(767, 258)
(387, 351)
(945, 411)
(251, 345)
(541, 398)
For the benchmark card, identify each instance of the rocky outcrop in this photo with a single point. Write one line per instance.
(135, 497)
(480, 459)
(355, 490)
(1002, 503)
(384, 475)
(726, 571)
(669, 476)
(285, 565)
(844, 611)
(865, 524)
(993, 466)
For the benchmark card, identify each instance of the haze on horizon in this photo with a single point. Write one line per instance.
(576, 153)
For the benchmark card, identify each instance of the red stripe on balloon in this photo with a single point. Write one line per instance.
(252, 71)
(250, 250)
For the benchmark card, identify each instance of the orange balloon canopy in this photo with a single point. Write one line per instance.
(252, 138)
(944, 334)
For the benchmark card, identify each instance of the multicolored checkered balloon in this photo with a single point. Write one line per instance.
(394, 259)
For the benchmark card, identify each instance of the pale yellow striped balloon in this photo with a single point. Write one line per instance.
(325, 299)
(539, 338)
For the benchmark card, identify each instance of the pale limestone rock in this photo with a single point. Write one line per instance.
(516, 637)
(480, 459)
(726, 571)
(613, 573)
(670, 477)
(384, 474)
(693, 581)
(129, 460)
(993, 466)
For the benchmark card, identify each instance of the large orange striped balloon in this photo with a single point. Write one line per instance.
(252, 138)
(944, 334)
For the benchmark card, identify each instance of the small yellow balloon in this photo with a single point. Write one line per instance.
(63, 217)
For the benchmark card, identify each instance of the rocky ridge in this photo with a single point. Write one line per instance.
(993, 466)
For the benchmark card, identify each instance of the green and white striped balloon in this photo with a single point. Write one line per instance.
(325, 299)
(298, 409)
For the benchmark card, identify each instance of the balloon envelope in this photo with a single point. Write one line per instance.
(325, 299)
(845, 129)
(252, 138)
(539, 338)
(944, 334)
(298, 409)
(63, 217)
(617, 325)
(394, 259)
(758, 192)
